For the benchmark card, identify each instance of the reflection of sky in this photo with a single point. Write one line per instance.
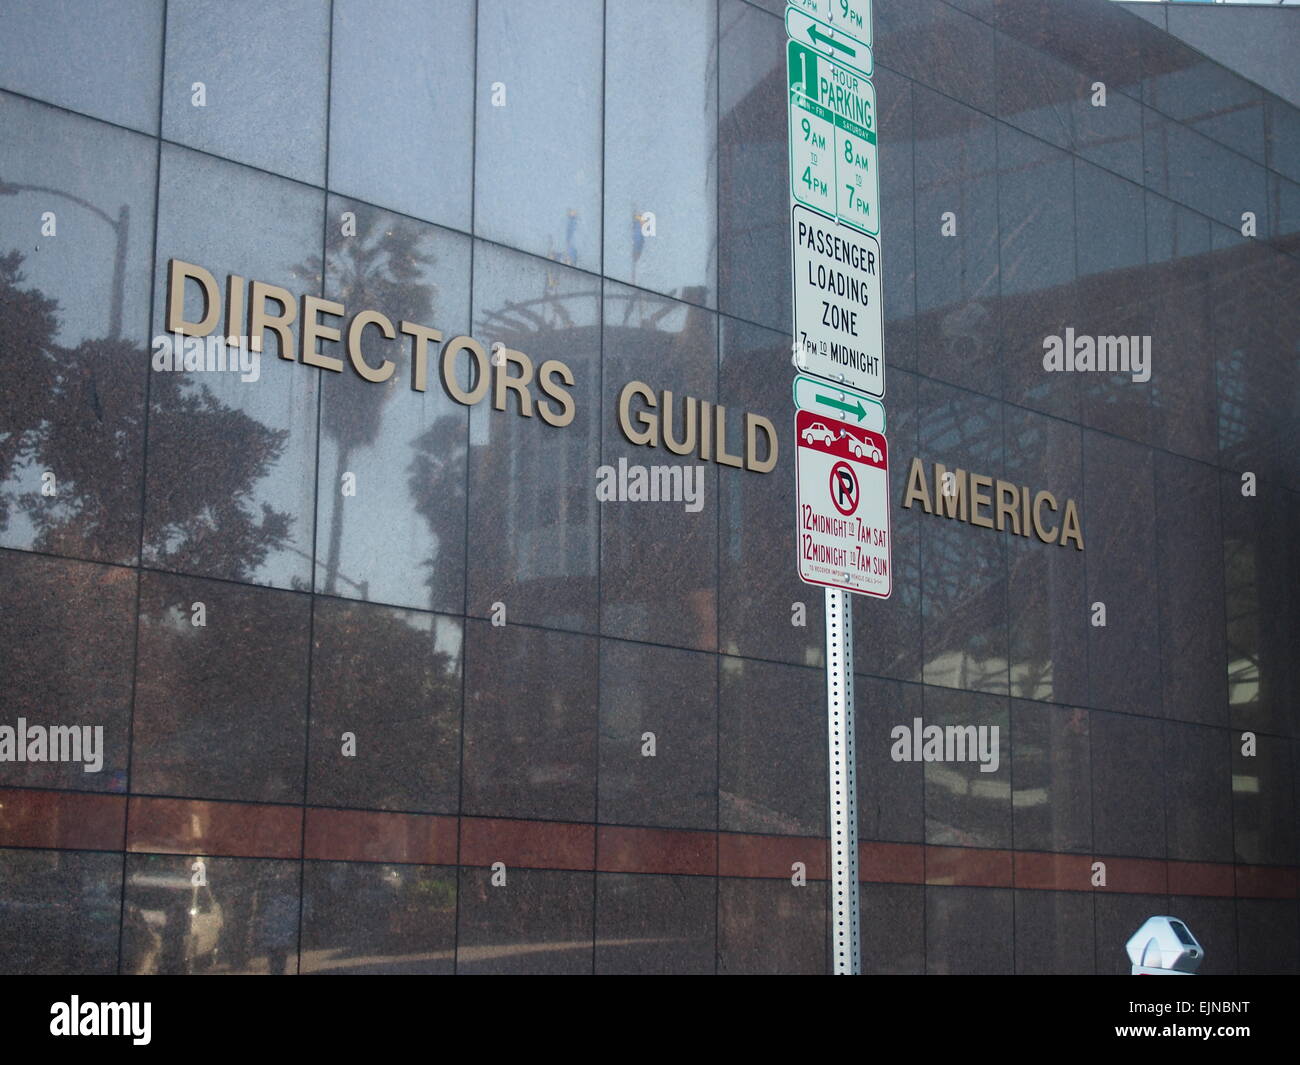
(400, 145)
(539, 156)
(106, 167)
(660, 143)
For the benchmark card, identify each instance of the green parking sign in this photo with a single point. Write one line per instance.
(833, 159)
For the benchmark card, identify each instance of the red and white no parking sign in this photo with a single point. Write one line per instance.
(842, 478)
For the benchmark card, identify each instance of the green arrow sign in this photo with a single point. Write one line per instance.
(813, 394)
(856, 409)
(835, 40)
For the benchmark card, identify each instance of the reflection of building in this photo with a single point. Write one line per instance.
(472, 661)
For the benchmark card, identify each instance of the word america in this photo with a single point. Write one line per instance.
(958, 494)
(255, 308)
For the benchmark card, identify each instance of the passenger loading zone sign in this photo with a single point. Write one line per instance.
(839, 320)
(842, 484)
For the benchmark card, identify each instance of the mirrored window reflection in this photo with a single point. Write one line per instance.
(247, 80)
(76, 225)
(360, 918)
(59, 911)
(957, 246)
(390, 679)
(1051, 804)
(1048, 616)
(123, 41)
(659, 557)
(753, 222)
(67, 633)
(544, 925)
(967, 804)
(647, 692)
(765, 928)
(754, 378)
(221, 693)
(766, 717)
(661, 147)
(533, 509)
(1207, 97)
(230, 915)
(537, 149)
(401, 106)
(655, 925)
(232, 452)
(964, 606)
(391, 501)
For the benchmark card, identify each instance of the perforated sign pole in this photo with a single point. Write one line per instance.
(843, 776)
(841, 466)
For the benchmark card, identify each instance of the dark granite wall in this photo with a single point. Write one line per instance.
(372, 614)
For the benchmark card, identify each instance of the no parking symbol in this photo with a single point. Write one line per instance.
(843, 503)
(844, 488)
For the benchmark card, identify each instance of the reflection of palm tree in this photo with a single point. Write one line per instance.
(382, 267)
(437, 484)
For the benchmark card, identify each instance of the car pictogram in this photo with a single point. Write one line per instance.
(859, 448)
(817, 431)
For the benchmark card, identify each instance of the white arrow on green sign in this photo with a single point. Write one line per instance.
(829, 41)
(838, 401)
(848, 16)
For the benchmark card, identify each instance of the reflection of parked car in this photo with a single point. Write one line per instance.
(817, 431)
(183, 920)
(863, 447)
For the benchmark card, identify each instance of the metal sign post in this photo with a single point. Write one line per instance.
(842, 773)
(842, 463)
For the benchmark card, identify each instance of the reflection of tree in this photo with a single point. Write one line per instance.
(209, 524)
(383, 677)
(437, 484)
(79, 413)
(27, 329)
(381, 267)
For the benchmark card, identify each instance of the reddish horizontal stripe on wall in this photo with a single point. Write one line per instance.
(196, 826)
(1201, 878)
(530, 844)
(1266, 882)
(770, 856)
(968, 867)
(61, 820)
(655, 850)
(377, 836)
(1140, 876)
(891, 863)
(1053, 872)
(67, 820)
